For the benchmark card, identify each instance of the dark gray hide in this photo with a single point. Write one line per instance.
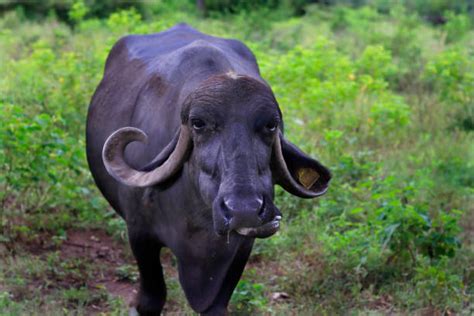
(207, 195)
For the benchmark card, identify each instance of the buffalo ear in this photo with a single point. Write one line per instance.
(296, 172)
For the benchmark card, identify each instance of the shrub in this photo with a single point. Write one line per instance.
(248, 297)
(451, 75)
(371, 99)
(456, 27)
(439, 285)
(68, 9)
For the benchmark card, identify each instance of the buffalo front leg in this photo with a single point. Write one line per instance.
(209, 280)
(219, 306)
(152, 293)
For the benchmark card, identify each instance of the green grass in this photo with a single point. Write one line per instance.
(385, 100)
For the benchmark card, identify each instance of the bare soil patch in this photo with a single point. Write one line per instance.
(87, 259)
(104, 251)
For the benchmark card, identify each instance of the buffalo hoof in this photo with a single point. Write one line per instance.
(144, 306)
(139, 311)
(215, 311)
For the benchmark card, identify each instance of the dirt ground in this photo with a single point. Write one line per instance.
(97, 246)
(88, 259)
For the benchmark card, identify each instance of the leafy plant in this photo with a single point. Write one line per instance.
(249, 297)
(381, 97)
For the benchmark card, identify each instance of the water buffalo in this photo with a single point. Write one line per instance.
(201, 182)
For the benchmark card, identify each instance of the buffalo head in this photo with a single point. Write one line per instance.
(232, 143)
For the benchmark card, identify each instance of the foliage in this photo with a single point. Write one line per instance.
(457, 26)
(380, 96)
(439, 285)
(451, 74)
(66, 10)
(437, 12)
(78, 11)
(127, 272)
(249, 297)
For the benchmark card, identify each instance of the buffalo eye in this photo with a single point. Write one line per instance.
(271, 126)
(198, 124)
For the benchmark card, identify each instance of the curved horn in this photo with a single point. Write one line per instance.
(113, 157)
(307, 178)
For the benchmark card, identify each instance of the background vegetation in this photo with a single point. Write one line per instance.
(381, 91)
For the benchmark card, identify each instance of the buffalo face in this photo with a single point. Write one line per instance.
(236, 130)
(234, 122)
(231, 137)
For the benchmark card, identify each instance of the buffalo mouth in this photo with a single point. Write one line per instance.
(263, 231)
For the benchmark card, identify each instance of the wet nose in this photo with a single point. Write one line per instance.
(244, 212)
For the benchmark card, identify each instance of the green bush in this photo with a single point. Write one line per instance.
(439, 285)
(457, 26)
(451, 75)
(434, 11)
(67, 10)
(381, 97)
(249, 297)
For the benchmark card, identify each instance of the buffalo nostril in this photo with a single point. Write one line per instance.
(227, 205)
(261, 210)
(226, 210)
(226, 202)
